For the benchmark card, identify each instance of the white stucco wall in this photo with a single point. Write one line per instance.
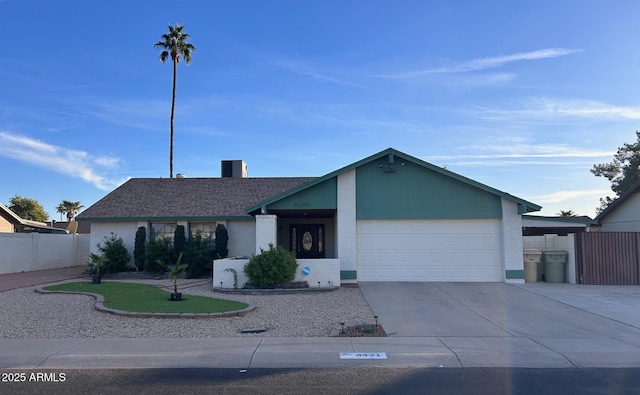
(124, 230)
(242, 238)
(266, 232)
(23, 252)
(242, 235)
(511, 239)
(346, 240)
(625, 217)
(324, 273)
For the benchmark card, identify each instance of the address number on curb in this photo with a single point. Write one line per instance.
(363, 355)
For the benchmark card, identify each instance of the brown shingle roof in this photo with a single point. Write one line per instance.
(187, 197)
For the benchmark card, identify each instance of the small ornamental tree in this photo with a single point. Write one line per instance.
(179, 239)
(139, 247)
(272, 267)
(173, 270)
(222, 239)
(115, 254)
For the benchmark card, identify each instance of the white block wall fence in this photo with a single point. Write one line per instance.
(24, 252)
(323, 273)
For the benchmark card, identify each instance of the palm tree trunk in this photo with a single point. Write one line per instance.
(173, 106)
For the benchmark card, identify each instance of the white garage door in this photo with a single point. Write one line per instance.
(435, 250)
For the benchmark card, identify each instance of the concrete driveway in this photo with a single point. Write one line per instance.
(539, 310)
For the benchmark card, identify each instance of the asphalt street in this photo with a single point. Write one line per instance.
(494, 381)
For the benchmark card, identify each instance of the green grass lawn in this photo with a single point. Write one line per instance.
(143, 298)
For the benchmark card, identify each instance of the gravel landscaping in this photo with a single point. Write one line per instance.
(27, 314)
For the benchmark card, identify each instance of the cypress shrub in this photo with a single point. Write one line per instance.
(139, 247)
(222, 239)
(179, 239)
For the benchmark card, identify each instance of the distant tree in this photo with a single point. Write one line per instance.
(27, 208)
(568, 213)
(174, 45)
(623, 171)
(69, 208)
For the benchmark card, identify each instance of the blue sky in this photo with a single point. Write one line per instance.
(522, 96)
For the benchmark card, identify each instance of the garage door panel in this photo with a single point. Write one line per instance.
(429, 250)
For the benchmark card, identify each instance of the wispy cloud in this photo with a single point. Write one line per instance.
(140, 114)
(73, 163)
(510, 163)
(301, 68)
(523, 150)
(548, 108)
(562, 196)
(485, 63)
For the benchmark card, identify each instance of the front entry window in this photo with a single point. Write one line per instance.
(307, 240)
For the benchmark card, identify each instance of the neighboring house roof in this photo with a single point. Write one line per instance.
(523, 205)
(558, 222)
(9, 215)
(25, 224)
(83, 227)
(535, 225)
(635, 188)
(186, 198)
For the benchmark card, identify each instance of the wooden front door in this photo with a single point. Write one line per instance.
(307, 240)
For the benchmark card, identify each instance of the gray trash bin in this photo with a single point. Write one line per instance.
(532, 258)
(554, 266)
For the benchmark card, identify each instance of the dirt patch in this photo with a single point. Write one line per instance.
(364, 330)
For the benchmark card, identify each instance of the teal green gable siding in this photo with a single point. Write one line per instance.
(415, 192)
(320, 196)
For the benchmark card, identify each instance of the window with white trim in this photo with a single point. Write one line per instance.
(160, 229)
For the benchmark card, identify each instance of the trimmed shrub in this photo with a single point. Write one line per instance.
(115, 254)
(139, 247)
(179, 239)
(158, 249)
(272, 267)
(222, 239)
(198, 255)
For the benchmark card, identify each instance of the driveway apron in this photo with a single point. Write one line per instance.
(482, 309)
(27, 279)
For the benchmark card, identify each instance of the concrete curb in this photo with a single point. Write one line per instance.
(274, 291)
(101, 307)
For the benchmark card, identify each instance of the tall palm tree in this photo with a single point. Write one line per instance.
(69, 208)
(173, 46)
